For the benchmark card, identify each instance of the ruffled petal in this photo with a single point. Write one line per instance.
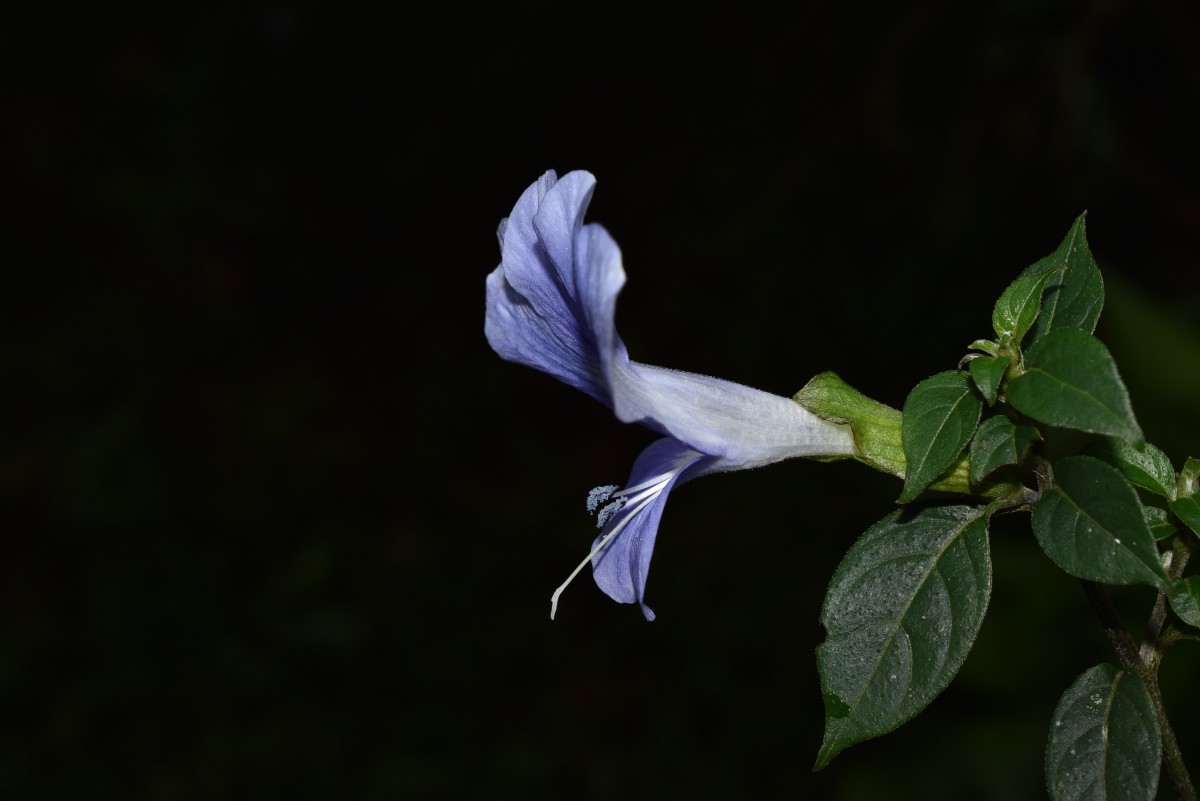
(558, 219)
(621, 565)
(599, 277)
(536, 312)
(518, 332)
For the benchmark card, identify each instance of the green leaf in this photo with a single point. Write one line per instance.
(988, 372)
(1145, 466)
(1104, 741)
(901, 614)
(940, 416)
(1159, 522)
(986, 345)
(1092, 525)
(998, 442)
(1073, 296)
(1187, 506)
(1017, 308)
(1071, 381)
(1189, 478)
(994, 445)
(1188, 510)
(1185, 600)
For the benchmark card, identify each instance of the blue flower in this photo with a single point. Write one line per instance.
(550, 305)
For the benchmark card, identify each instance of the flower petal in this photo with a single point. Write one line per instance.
(599, 277)
(620, 567)
(543, 309)
(744, 427)
(519, 333)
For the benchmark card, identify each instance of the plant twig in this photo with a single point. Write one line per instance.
(1153, 645)
(1172, 756)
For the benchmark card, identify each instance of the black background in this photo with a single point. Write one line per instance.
(280, 525)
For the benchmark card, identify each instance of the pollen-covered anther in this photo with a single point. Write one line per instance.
(599, 495)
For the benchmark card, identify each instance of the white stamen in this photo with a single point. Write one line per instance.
(616, 530)
(642, 495)
(656, 480)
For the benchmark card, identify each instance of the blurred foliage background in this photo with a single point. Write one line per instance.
(280, 525)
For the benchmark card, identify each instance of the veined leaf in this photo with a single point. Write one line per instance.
(988, 372)
(1159, 522)
(1145, 466)
(1017, 308)
(901, 614)
(1104, 743)
(1071, 381)
(1073, 296)
(1091, 524)
(1188, 510)
(940, 416)
(998, 442)
(1185, 600)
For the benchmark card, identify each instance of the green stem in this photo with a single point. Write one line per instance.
(1173, 635)
(1153, 645)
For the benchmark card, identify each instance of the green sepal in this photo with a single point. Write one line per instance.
(901, 614)
(1091, 525)
(1105, 742)
(1071, 381)
(875, 426)
(940, 415)
(988, 372)
(1159, 522)
(1018, 306)
(1145, 465)
(1074, 294)
(1185, 600)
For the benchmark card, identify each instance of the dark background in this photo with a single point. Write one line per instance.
(280, 525)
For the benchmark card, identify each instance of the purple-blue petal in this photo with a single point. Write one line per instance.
(550, 303)
(599, 277)
(745, 427)
(518, 332)
(621, 567)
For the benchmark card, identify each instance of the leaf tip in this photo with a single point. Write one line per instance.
(824, 757)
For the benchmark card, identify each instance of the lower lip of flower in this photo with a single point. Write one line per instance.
(631, 500)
